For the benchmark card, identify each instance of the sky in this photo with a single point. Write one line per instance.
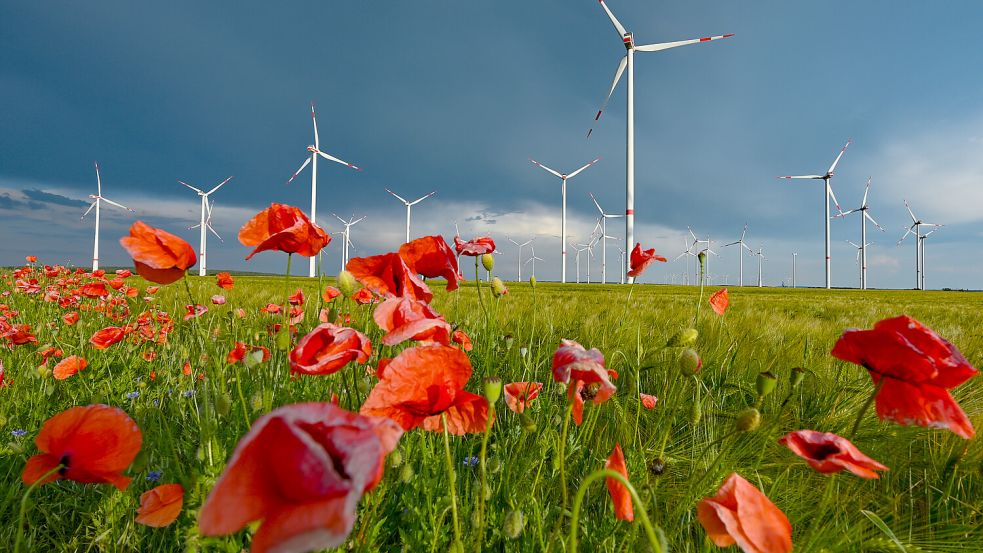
(457, 96)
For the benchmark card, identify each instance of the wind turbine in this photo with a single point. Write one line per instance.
(922, 239)
(409, 206)
(622, 259)
(761, 257)
(915, 228)
(205, 223)
(862, 252)
(829, 193)
(697, 242)
(533, 259)
(604, 238)
(96, 204)
(794, 256)
(563, 212)
(688, 252)
(628, 62)
(312, 159)
(518, 262)
(208, 222)
(347, 237)
(741, 248)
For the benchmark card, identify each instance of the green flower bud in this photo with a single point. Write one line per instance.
(493, 388)
(515, 521)
(695, 412)
(748, 420)
(282, 340)
(44, 371)
(488, 262)
(690, 362)
(528, 424)
(395, 459)
(494, 465)
(798, 375)
(765, 384)
(406, 473)
(532, 281)
(685, 337)
(508, 341)
(223, 404)
(347, 284)
(498, 287)
(703, 261)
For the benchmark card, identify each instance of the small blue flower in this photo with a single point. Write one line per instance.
(470, 461)
(189, 393)
(19, 432)
(133, 395)
(154, 475)
(156, 402)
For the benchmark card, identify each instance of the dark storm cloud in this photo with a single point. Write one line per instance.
(47, 197)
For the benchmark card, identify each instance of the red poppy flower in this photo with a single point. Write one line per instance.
(330, 293)
(572, 362)
(719, 301)
(194, 311)
(218, 299)
(328, 348)
(224, 280)
(431, 257)
(578, 392)
(3, 382)
(283, 228)
(159, 256)
(94, 444)
(408, 319)
(388, 275)
(239, 351)
(94, 290)
(32, 259)
(740, 514)
(459, 337)
(363, 296)
(68, 366)
(914, 368)
(620, 496)
(108, 336)
(518, 395)
(160, 506)
(297, 298)
(648, 401)
(153, 289)
(641, 259)
(473, 248)
(827, 452)
(70, 318)
(422, 383)
(301, 470)
(20, 335)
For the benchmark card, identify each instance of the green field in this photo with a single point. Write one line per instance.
(931, 499)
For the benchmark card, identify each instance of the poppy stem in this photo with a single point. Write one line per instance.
(477, 283)
(631, 288)
(484, 476)
(863, 410)
(562, 456)
(650, 531)
(451, 478)
(23, 505)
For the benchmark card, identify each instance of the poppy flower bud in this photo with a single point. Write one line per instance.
(657, 467)
(43, 371)
(498, 287)
(223, 404)
(690, 362)
(765, 384)
(406, 474)
(488, 262)
(703, 261)
(532, 281)
(515, 521)
(256, 402)
(395, 459)
(695, 412)
(523, 351)
(494, 465)
(528, 424)
(508, 341)
(493, 388)
(798, 375)
(748, 420)
(347, 283)
(685, 337)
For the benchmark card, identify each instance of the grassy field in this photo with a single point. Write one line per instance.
(931, 499)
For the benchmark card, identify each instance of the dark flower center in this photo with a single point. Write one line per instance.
(821, 452)
(64, 465)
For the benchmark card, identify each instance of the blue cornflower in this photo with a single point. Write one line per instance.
(19, 432)
(156, 402)
(154, 475)
(133, 395)
(470, 461)
(189, 393)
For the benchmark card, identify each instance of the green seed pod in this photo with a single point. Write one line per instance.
(532, 281)
(695, 412)
(493, 388)
(406, 473)
(488, 262)
(690, 362)
(395, 459)
(765, 384)
(797, 376)
(44, 371)
(509, 341)
(347, 284)
(515, 521)
(498, 287)
(747, 420)
(283, 340)
(223, 405)
(685, 337)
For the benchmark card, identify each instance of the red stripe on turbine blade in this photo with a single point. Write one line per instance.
(728, 35)
(588, 132)
(598, 116)
(706, 38)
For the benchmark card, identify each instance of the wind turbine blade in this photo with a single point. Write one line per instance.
(545, 168)
(314, 119)
(871, 219)
(743, 233)
(667, 45)
(835, 201)
(748, 248)
(110, 202)
(691, 233)
(513, 241)
(732, 244)
(302, 165)
(358, 220)
(852, 244)
(336, 160)
(98, 181)
(220, 185)
(907, 232)
(595, 203)
(397, 196)
(614, 20)
(802, 177)
(88, 210)
(908, 207)
(614, 83)
(344, 222)
(418, 200)
(191, 187)
(213, 232)
(837, 160)
(866, 191)
(577, 172)
(845, 213)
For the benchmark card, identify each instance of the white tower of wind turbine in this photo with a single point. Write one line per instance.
(312, 159)
(563, 211)
(915, 228)
(409, 206)
(204, 223)
(518, 259)
(628, 62)
(96, 204)
(208, 222)
(923, 238)
(621, 258)
(826, 196)
(761, 257)
(604, 238)
(862, 251)
(740, 249)
(347, 237)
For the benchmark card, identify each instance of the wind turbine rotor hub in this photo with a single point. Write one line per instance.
(629, 41)
(311, 149)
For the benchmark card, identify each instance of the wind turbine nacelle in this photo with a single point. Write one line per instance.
(93, 196)
(311, 149)
(629, 40)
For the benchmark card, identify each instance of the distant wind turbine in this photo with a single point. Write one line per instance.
(409, 205)
(826, 196)
(761, 257)
(518, 262)
(604, 238)
(312, 159)
(862, 252)
(96, 204)
(533, 260)
(204, 223)
(347, 236)
(915, 228)
(740, 249)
